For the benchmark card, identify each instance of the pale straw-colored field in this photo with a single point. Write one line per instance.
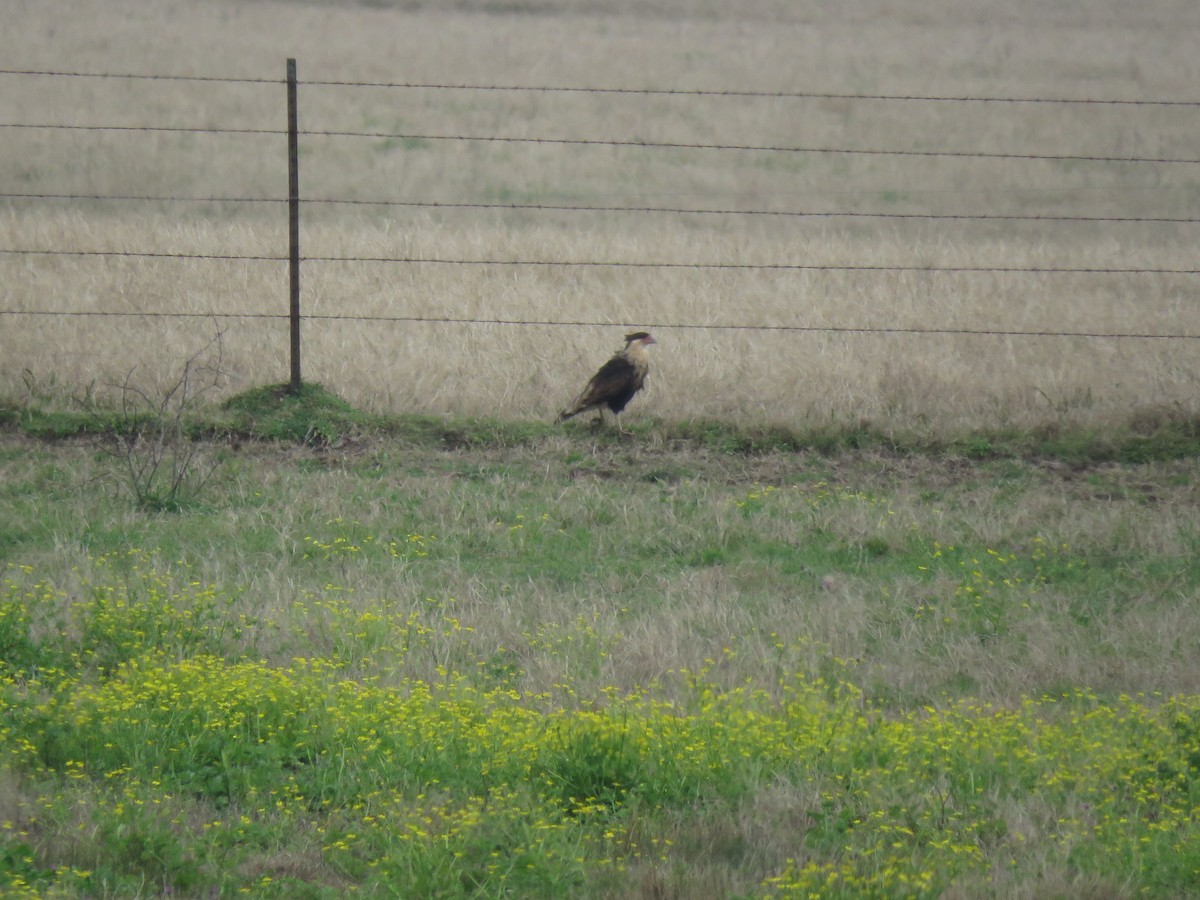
(727, 344)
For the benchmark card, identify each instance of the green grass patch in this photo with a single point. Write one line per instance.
(317, 417)
(311, 415)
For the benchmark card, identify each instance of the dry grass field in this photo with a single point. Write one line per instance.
(726, 350)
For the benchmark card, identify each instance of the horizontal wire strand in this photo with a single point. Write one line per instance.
(683, 326)
(220, 79)
(632, 144)
(150, 129)
(755, 148)
(616, 264)
(583, 89)
(549, 207)
(625, 144)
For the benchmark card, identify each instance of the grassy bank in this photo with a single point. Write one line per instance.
(316, 417)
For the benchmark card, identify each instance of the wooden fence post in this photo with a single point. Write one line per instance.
(294, 224)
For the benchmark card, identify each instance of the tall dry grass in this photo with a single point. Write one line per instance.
(933, 48)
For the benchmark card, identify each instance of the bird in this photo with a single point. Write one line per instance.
(616, 382)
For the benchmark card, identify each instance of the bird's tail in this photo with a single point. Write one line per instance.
(567, 414)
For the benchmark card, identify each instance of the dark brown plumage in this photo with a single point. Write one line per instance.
(617, 381)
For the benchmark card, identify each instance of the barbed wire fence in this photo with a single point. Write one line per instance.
(297, 200)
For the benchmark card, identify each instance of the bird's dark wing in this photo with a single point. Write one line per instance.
(616, 382)
(614, 377)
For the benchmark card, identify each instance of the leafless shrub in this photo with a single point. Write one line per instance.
(145, 430)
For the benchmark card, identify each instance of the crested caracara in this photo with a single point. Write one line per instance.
(617, 381)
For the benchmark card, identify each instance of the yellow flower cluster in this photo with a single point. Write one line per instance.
(350, 538)
(180, 764)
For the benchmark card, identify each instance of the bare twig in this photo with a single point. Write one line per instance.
(147, 434)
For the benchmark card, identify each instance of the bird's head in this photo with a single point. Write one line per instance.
(644, 338)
